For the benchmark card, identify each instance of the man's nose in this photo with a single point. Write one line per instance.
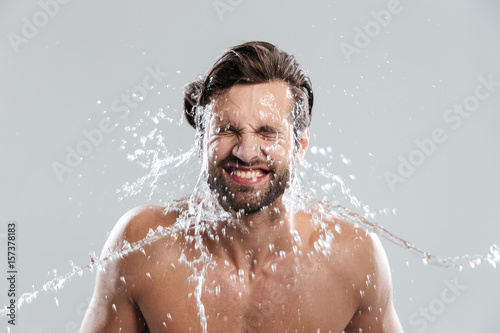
(247, 148)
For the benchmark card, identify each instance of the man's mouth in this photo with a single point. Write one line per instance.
(246, 175)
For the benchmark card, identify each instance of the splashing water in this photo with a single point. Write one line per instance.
(201, 212)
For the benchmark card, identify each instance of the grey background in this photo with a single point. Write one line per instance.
(369, 110)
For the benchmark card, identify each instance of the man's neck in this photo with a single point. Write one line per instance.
(252, 241)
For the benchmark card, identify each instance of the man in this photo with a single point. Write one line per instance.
(245, 253)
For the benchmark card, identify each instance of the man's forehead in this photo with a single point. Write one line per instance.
(266, 101)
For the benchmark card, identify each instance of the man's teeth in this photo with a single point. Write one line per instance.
(248, 174)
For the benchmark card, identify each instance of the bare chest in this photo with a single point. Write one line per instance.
(290, 297)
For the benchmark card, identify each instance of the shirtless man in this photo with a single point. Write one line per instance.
(262, 266)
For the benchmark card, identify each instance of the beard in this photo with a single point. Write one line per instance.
(246, 198)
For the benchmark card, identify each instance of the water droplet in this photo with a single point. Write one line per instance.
(345, 160)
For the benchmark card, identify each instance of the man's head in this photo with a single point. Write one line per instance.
(252, 112)
(250, 63)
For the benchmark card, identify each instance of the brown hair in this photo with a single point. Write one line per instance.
(250, 63)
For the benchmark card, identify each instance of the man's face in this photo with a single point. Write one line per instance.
(250, 146)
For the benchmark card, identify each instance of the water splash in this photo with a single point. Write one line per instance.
(203, 212)
(210, 213)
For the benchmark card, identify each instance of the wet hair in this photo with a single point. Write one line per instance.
(250, 63)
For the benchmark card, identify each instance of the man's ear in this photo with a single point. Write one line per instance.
(303, 143)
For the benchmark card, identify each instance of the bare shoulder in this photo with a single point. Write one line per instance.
(135, 224)
(354, 252)
(114, 303)
(128, 251)
(347, 239)
(360, 244)
(359, 256)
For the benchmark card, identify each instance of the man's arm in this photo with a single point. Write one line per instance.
(376, 313)
(112, 308)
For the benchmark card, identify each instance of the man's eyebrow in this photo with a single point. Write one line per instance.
(268, 128)
(226, 126)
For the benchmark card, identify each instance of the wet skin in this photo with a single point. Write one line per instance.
(264, 273)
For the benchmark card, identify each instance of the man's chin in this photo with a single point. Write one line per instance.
(245, 207)
(245, 198)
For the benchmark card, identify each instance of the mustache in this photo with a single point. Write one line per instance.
(234, 160)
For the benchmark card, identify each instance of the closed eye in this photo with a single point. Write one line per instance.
(268, 132)
(226, 130)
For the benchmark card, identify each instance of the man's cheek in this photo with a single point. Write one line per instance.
(212, 149)
(277, 149)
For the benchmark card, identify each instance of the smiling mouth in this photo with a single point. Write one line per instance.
(246, 174)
